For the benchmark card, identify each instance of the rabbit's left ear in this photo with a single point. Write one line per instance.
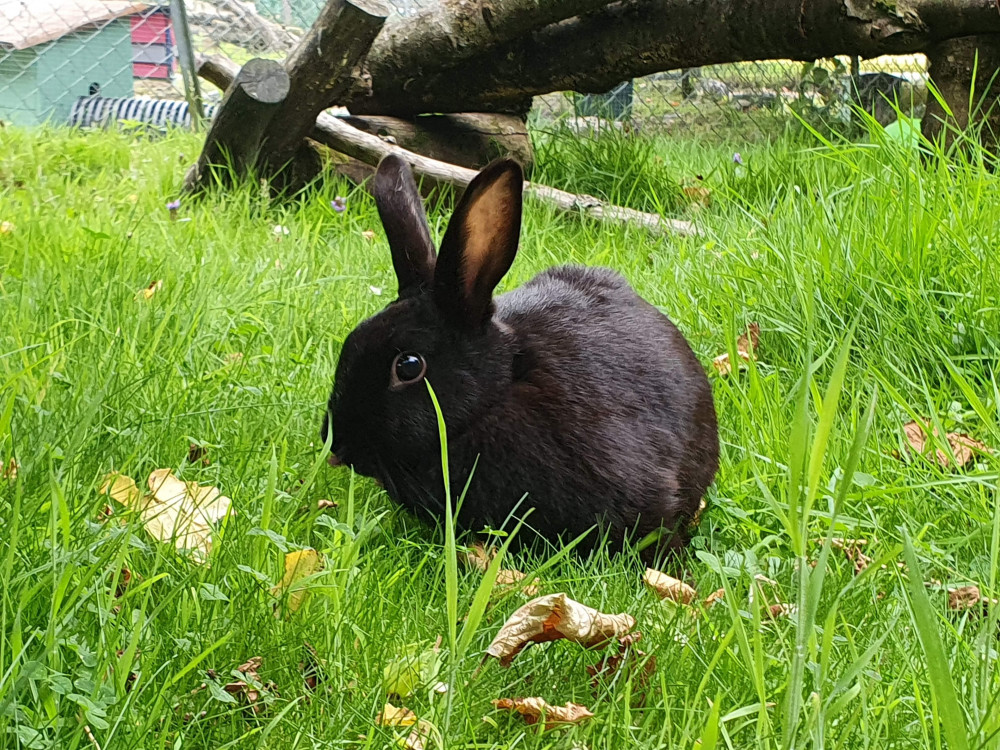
(480, 243)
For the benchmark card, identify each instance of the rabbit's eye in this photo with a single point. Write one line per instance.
(408, 368)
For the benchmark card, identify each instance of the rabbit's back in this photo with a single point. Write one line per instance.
(610, 414)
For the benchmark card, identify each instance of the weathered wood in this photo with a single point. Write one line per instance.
(455, 30)
(323, 69)
(470, 140)
(966, 74)
(591, 53)
(334, 132)
(233, 140)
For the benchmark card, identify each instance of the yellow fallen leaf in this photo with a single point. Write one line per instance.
(391, 716)
(507, 579)
(746, 344)
(368, 234)
(176, 512)
(536, 709)
(554, 617)
(8, 471)
(121, 489)
(716, 596)
(148, 292)
(298, 565)
(963, 447)
(698, 195)
(6, 227)
(666, 587)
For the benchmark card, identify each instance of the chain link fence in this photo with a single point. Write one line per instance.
(91, 62)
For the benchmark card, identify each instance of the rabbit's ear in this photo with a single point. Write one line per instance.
(480, 243)
(405, 224)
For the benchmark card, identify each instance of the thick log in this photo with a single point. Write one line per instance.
(323, 69)
(593, 52)
(966, 74)
(470, 140)
(466, 139)
(233, 140)
(455, 30)
(334, 132)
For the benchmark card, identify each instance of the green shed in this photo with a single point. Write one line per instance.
(53, 51)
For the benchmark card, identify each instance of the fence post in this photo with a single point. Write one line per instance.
(189, 71)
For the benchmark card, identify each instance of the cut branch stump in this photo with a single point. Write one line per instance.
(251, 100)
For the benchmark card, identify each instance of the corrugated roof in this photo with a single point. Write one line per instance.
(25, 23)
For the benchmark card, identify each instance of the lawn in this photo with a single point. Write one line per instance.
(875, 282)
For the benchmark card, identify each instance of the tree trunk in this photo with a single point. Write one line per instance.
(966, 73)
(250, 102)
(591, 53)
(470, 140)
(370, 149)
(455, 30)
(323, 69)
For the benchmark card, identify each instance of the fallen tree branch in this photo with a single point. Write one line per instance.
(324, 66)
(596, 50)
(255, 94)
(332, 131)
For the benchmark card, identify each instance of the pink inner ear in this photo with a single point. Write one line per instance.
(487, 218)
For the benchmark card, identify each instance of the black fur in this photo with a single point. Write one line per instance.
(572, 389)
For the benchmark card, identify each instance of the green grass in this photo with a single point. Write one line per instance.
(875, 282)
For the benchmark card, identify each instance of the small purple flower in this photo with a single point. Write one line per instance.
(339, 204)
(737, 159)
(174, 205)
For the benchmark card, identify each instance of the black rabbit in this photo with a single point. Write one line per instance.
(570, 394)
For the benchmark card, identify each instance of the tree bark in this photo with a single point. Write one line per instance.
(470, 140)
(370, 149)
(966, 73)
(233, 140)
(455, 30)
(591, 53)
(323, 69)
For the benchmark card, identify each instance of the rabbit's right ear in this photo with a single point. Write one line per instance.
(402, 213)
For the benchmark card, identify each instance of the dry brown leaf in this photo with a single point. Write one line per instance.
(780, 610)
(967, 597)
(198, 454)
(852, 550)
(124, 580)
(746, 345)
(627, 654)
(311, 667)
(716, 596)
(554, 617)
(368, 234)
(508, 579)
(963, 447)
(298, 565)
(478, 557)
(324, 504)
(417, 736)
(251, 690)
(536, 709)
(8, 471)
(666, 587)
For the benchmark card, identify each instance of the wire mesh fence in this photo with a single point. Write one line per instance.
(91, 62)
